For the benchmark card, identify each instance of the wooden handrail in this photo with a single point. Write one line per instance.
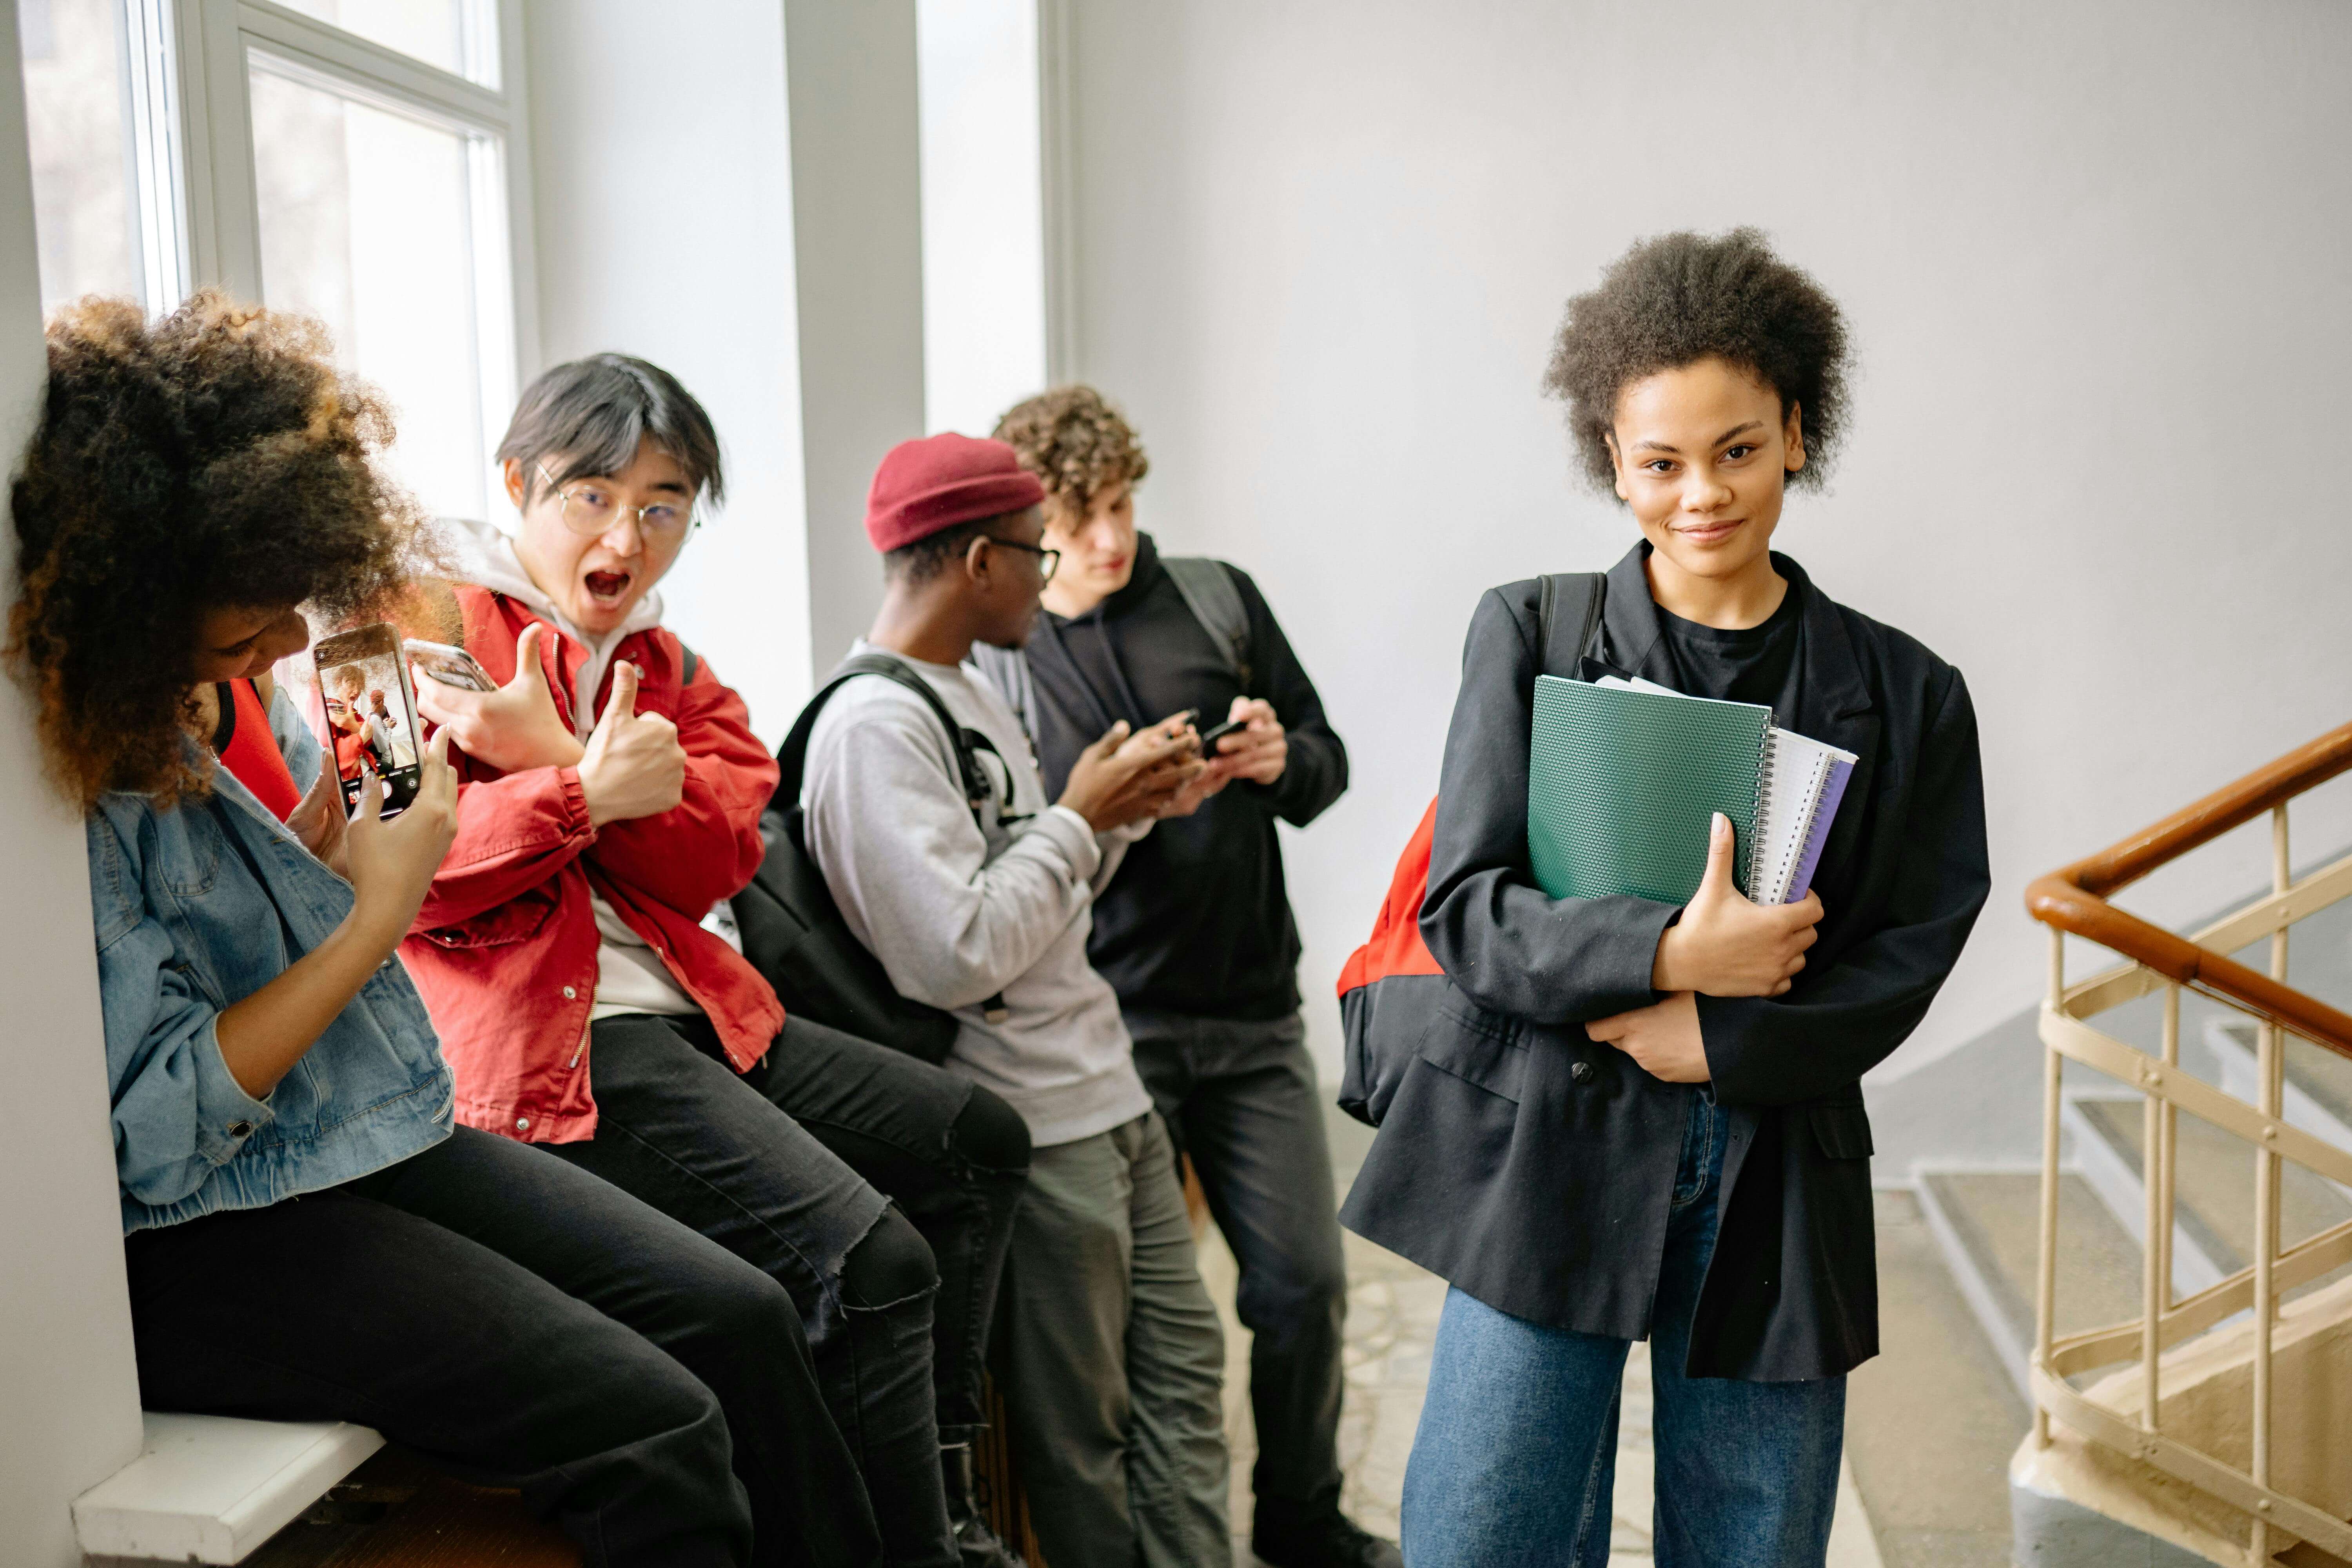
(2074, 898)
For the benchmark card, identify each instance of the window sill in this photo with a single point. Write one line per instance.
(211, 1489)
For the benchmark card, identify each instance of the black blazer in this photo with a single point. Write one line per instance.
(1531, 1167)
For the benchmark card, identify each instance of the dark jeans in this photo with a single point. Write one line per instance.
(726, 1154)
(525, 1325)
(1516, 1457)
(1239, 1098)
(951, 1155)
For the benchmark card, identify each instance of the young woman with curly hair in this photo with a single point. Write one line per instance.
(191, 487)
(1634, 1119)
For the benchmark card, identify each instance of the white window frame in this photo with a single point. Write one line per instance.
(192, 152)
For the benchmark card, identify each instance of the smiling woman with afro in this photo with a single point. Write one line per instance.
(1622, 1116)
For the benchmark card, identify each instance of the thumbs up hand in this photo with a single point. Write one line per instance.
(511, 729)
(633, 765)
(1725, 946)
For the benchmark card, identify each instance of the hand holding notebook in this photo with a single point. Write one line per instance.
(1624, 780)
(1726, 945)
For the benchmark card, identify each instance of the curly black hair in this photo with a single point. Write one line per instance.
(212, 459)
(1678, 299)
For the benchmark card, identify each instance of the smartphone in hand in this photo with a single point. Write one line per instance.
(370, 713)
(449, 666)
(1210, 736)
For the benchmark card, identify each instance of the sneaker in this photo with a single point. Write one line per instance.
(977, 1546)
(1321, 1538)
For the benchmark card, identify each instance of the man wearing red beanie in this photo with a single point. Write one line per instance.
(1114, 1351)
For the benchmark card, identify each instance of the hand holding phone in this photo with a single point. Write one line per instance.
(449, 666)
(371, 726)
(1216, 733)
(1261, 748)
(514, 727)
(392, 864)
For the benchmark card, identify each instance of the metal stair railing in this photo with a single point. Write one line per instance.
(2076, 901)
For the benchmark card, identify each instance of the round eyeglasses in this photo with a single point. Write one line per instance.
(592, 509)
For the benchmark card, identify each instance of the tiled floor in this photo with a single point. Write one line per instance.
(1393, 1311)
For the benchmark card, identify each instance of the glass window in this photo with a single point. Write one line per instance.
(984, 209)
(375, 222)
(77, 118)
(455, 35)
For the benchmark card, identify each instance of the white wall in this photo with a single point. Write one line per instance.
(858, 252)
(2094, 261)
(663, 184)
(68, 1386)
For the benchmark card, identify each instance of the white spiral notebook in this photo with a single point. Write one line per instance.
(1804, 782)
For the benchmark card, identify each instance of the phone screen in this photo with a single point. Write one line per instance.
(370, 713)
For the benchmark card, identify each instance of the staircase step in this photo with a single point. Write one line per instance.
(2106, 1134)
(2213, 1190)
(1931, 1420)
(1990, 1226)
(2318, 1082)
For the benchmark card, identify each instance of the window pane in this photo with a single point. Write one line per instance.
(78, 120)
(366, 222)
(451, 34)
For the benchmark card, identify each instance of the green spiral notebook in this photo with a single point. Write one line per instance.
(1621, 785)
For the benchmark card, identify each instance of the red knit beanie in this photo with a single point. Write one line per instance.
(941, 481)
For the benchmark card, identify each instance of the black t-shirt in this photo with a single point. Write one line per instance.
(1746, 666)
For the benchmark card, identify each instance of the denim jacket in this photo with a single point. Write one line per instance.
(196, 907)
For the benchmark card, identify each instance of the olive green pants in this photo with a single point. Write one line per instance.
(1115, 1360)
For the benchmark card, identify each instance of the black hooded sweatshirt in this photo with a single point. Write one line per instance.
(1197, 922)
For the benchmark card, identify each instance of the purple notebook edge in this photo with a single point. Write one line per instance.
(1818, 833)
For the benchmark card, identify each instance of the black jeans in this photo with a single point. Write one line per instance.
(1239, 1098)
(951, 1154)
(729, 1155)
(525, 1325)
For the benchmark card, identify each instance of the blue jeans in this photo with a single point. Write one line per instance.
(1516, 1452)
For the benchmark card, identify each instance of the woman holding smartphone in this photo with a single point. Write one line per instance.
(194, 485)
(1638, 1120)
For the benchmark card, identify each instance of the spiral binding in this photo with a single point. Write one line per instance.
(1764, 764)
(1807, 801)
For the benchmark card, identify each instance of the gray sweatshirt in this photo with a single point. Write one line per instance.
(959, 911)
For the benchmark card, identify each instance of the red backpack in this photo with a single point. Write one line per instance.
(1391, 988)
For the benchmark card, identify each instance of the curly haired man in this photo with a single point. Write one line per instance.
(1195, 932)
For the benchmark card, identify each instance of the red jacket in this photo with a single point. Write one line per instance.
(505, 947)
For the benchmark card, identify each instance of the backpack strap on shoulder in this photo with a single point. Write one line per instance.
(792, 758)
(692, 662)
(791, 761)
(1567, 604)
(1209, 592)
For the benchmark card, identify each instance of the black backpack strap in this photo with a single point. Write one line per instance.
(693, 663)
(1209, 592)
(792, 758)
(1567, 600)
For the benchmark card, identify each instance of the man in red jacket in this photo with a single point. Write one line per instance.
(611, 796)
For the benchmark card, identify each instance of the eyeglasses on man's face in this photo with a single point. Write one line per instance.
(591, 509)
(1046, 559)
